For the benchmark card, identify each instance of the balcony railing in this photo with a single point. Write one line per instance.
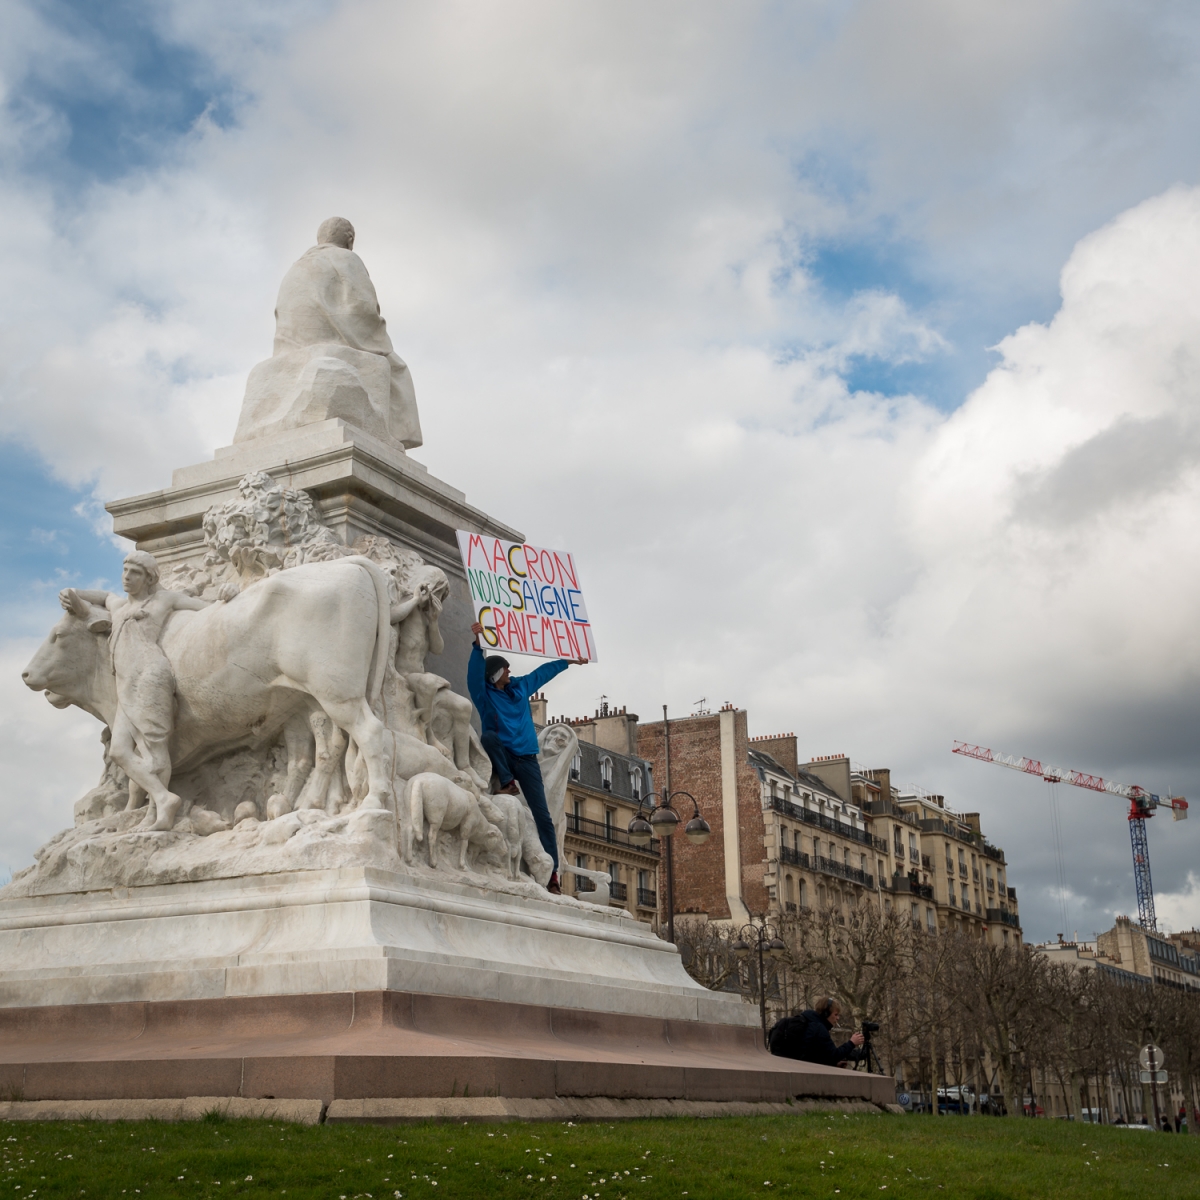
(790, 906)
(993, 852)
(975, 874)
(902, 883)
(831, 866)
(991, 886)
(1004, 916)
(794, 858)
(887, 808)
(619, 891)
(584, 884)
(646, 898)
(926, 863)
(610, 834)
(914, 855)
(934, 825)
(953, 901)
(962, 869)
(799, 813)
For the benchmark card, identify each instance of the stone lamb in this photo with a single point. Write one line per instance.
(445, 805)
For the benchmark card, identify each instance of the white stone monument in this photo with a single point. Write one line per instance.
(293, 803)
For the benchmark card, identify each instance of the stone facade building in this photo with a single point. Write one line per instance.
(608, 783)
(822, 834)
(1131, 952)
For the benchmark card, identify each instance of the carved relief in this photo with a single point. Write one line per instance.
(363, 755)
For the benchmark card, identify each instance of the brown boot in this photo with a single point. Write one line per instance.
(554, 887)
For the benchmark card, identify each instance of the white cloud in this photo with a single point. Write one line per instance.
(591, 232)
(1180, 910)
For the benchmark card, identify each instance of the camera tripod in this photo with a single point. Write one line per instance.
(869, 1055)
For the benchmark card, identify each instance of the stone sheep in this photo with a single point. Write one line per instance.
(445, 805)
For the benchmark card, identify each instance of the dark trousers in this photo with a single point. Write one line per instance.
(525, 770)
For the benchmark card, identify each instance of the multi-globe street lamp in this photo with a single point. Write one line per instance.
(664, 820)
(766, 940)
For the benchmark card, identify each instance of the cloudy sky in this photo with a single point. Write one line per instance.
(853, 348)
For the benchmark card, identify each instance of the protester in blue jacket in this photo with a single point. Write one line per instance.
(509, 736)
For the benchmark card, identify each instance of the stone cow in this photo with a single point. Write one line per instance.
(247, 668)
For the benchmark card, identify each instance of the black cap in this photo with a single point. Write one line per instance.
(493, 665)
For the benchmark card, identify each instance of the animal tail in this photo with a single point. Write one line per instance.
(383, 633)
(416, 809)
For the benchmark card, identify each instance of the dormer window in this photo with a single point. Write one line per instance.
(576, 766)
(606, 774)
(635, 782)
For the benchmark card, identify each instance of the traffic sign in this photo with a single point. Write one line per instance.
(1153, 1076)
(1144, 1058)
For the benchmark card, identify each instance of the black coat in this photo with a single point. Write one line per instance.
(806, 1038)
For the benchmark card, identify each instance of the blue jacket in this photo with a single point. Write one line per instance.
(505, 711)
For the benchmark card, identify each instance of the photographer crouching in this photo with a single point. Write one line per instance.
(806, 1037)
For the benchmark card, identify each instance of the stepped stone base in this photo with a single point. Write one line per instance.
(458, 1111)
(394, 1045)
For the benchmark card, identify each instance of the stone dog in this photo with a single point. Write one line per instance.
(445, 805)
(505, 813)
(512, 816)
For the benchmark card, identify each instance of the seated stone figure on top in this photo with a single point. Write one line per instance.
(332, 356)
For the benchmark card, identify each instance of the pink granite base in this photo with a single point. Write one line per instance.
(380, 1045)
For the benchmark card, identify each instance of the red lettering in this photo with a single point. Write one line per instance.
(586, 630)
(517, 633)
(473, 541)
(531, 564)
(499, 562)
(498, 619)
(544, 558)
(566, 570)
(572, 640)
(536, 644)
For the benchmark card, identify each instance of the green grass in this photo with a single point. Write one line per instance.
(818, 1155)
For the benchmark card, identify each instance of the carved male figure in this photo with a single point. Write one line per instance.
(145, 682)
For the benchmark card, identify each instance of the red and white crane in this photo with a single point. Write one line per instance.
(1142, 804)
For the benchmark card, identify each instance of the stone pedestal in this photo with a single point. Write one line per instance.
(373, 1046)
(344, 930)
(361, 984)
(361, 487)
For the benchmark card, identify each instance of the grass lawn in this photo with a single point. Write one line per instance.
(970, 1158)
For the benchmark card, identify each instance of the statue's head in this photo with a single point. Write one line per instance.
(336, 231)
(139, 573)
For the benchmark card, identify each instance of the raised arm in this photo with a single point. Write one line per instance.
(536, 680)
(475, 679)
(87, 595)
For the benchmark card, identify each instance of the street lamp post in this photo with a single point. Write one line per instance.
(766, 940)
(663, 821)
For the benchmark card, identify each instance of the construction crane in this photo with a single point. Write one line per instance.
(1141, 807)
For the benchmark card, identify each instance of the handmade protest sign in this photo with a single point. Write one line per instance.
(527, 599)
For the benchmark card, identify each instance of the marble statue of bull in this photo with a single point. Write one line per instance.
(315, 634)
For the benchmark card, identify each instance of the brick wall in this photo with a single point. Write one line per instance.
(781, 747)
(696, 768)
